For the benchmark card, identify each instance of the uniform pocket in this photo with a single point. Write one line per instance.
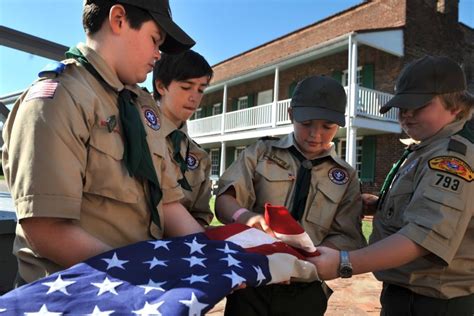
(272, 184)
(324, 205)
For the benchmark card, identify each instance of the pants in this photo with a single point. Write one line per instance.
(399, 301)
(278, 300)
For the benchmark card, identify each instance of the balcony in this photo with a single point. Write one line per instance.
(273, 115)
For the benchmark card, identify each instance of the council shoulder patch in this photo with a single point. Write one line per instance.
(151, 118)
(44, 89)
(338, 176)
(192, 161)
(452, 165)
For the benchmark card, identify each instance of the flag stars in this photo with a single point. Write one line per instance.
(195, 307)
(115, 262)
(260, 276)
(195, 261)
(195, 246)
(231, 261)
(226, 249)
(236, 279)
(160, 244)
(43, 312)
(150, 309)
(152, 285)
(58, 285)
(197, 278)
(107, 286)
(155, 262)
(98, 312)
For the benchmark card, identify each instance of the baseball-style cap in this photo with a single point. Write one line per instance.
(423, 79)
(176, 39)
(319, 98)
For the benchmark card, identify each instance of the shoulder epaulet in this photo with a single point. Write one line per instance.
(52, 68)
(196, 143)
(145, 89)
(467, 132)
(269, 138)
(457, 146)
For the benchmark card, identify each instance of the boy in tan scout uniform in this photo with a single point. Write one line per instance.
(179, 83)
(84, 156)
(422, 244)
(302, 172)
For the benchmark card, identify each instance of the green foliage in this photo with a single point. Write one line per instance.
(367, 229)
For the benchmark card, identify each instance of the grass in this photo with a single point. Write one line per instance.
(366, 225)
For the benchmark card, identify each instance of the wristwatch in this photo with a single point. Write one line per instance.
(345, 266)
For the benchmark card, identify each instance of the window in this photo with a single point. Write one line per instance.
(216, 109)
(215, 162)
(198, 113)
(345, 77)
(242, 103)
(341, 151)
(265, 97)
(237, 152)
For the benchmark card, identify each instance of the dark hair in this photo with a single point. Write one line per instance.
(180, 67)
(97, 11)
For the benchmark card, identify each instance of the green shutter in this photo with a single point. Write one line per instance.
(337, 75)
(368, 76)
(367, 171)
(291, 89)
(234, 104)
(250, 100)
(229, 156)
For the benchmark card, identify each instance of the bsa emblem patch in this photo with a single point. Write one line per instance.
(42, 90)
(151, 119)
(192, 162)
(452, 165)
(338, 176)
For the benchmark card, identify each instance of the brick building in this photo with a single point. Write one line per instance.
(364, 47)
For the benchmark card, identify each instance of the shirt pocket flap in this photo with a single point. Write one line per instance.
(332, 191)
(108, 143)
(272, 172)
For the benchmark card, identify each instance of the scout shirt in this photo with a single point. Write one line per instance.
(197, 175)
(266, 173)
(431, 203)
(63, 159)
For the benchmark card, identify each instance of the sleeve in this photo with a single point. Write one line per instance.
(201, 210)
(240, 175)
(439, 213)
(46, 153)
(346, 228)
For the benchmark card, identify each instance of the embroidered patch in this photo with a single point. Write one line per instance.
(151, 119)
(192, 162)
(452, 165)
(42, 90)
(338, 176)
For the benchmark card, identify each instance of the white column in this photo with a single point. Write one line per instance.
(275, 96)
(224, 109)
(222, 169)
(352, 97)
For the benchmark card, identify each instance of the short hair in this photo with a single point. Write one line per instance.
(179, 67)
(95, 12)
(462, 100)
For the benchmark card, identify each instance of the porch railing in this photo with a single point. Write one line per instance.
(369, 103)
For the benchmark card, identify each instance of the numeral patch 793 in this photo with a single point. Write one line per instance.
(447, 182)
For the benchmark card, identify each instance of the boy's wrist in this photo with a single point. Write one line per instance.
(238, 213)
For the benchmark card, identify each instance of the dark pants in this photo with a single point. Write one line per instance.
(399, 301)
(278, 299)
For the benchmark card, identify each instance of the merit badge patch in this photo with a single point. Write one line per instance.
(452, 165)
(151, 119)
(338, 176)
(42, 90)
(192, 162)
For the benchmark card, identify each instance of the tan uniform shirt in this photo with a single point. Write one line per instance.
(61, 161)
(431, 203)
(197, 175)
(266, 172)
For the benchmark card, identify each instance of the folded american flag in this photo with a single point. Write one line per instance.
(177, 276)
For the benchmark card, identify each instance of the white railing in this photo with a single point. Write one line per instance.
(260, 116)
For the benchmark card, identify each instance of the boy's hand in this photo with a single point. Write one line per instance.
(327, 263)
(255, 220)
(369, 203)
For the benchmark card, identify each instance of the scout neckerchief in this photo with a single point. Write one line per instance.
(177, 137)
(136, 154)
(391, 175)
(303, 181)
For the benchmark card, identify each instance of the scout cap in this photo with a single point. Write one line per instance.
(319, 98)
(423, 79)
(176, 39)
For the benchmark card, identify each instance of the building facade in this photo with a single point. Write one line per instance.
(364, 47)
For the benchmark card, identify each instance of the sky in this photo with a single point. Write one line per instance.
(221, 28)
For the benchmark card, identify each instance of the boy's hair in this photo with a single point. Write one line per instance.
(97, 11)
(459, 100)
(180, 67)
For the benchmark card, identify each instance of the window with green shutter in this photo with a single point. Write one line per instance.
(337, 75)
(291, 89)
(229, 156)
(368, 76)
(367, 171)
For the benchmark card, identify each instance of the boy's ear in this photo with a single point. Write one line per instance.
(160, 87)
(117, 18)
(290, 114)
